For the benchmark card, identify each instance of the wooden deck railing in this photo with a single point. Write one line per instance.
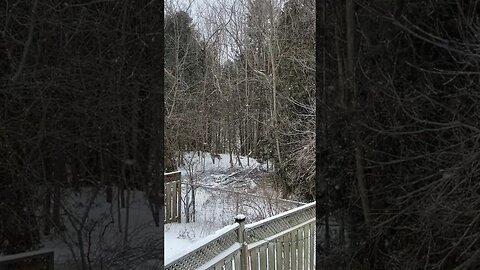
(284, 241)
(26, 260)
(173, 199)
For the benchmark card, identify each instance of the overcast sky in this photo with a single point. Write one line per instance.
(193, 7)
(198, 11)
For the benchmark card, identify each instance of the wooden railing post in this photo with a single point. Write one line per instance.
(240, 219)
(173, 197)
(179, 198)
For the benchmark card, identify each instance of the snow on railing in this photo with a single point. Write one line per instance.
(289, 236)
(286, 240)
(273, 225)
(170, 173)
(47, 255)
(205, 250)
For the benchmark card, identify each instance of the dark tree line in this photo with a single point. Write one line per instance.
(398, 134)
(81, 105)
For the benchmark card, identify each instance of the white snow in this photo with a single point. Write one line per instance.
(204, 163)
(170, 173)
(105, 240)
(286, 213)
(181, 253)
(180, 236)
(240, 217)
(223, 192)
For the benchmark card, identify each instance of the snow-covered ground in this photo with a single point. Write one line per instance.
(222, 192)
(103, 235)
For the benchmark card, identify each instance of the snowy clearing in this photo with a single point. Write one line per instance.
(221, 193)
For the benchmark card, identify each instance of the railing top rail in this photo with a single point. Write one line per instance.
(275, 236)
(224, 243)
(280, 216)
(279, 223)
(200, 244)
(171, 173)
(7, 259)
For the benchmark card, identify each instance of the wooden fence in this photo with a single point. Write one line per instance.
(282, 242)
(35, 260)
(173, 197)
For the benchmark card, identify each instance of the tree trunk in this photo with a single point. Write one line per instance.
(230, 144)
(247, 128)
(362, 183)
(274, 94)
(155, 205)
(119, 214)
(59, 180)
(109, 193)
(360, 169)
(350, 21)
(127, 216)
(242, 138)
(239, 161)
(341, 76)
(327, 233)
(341, 229)
(46, 211)
(81, 249)
(122, 194)
(193, 204)
(56, 207)
(187, 205)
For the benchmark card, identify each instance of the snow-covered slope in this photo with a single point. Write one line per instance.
(221, 192)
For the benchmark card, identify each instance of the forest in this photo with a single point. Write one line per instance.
(398, 153)
(81, 125)
(240, 79)
(377, 119)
